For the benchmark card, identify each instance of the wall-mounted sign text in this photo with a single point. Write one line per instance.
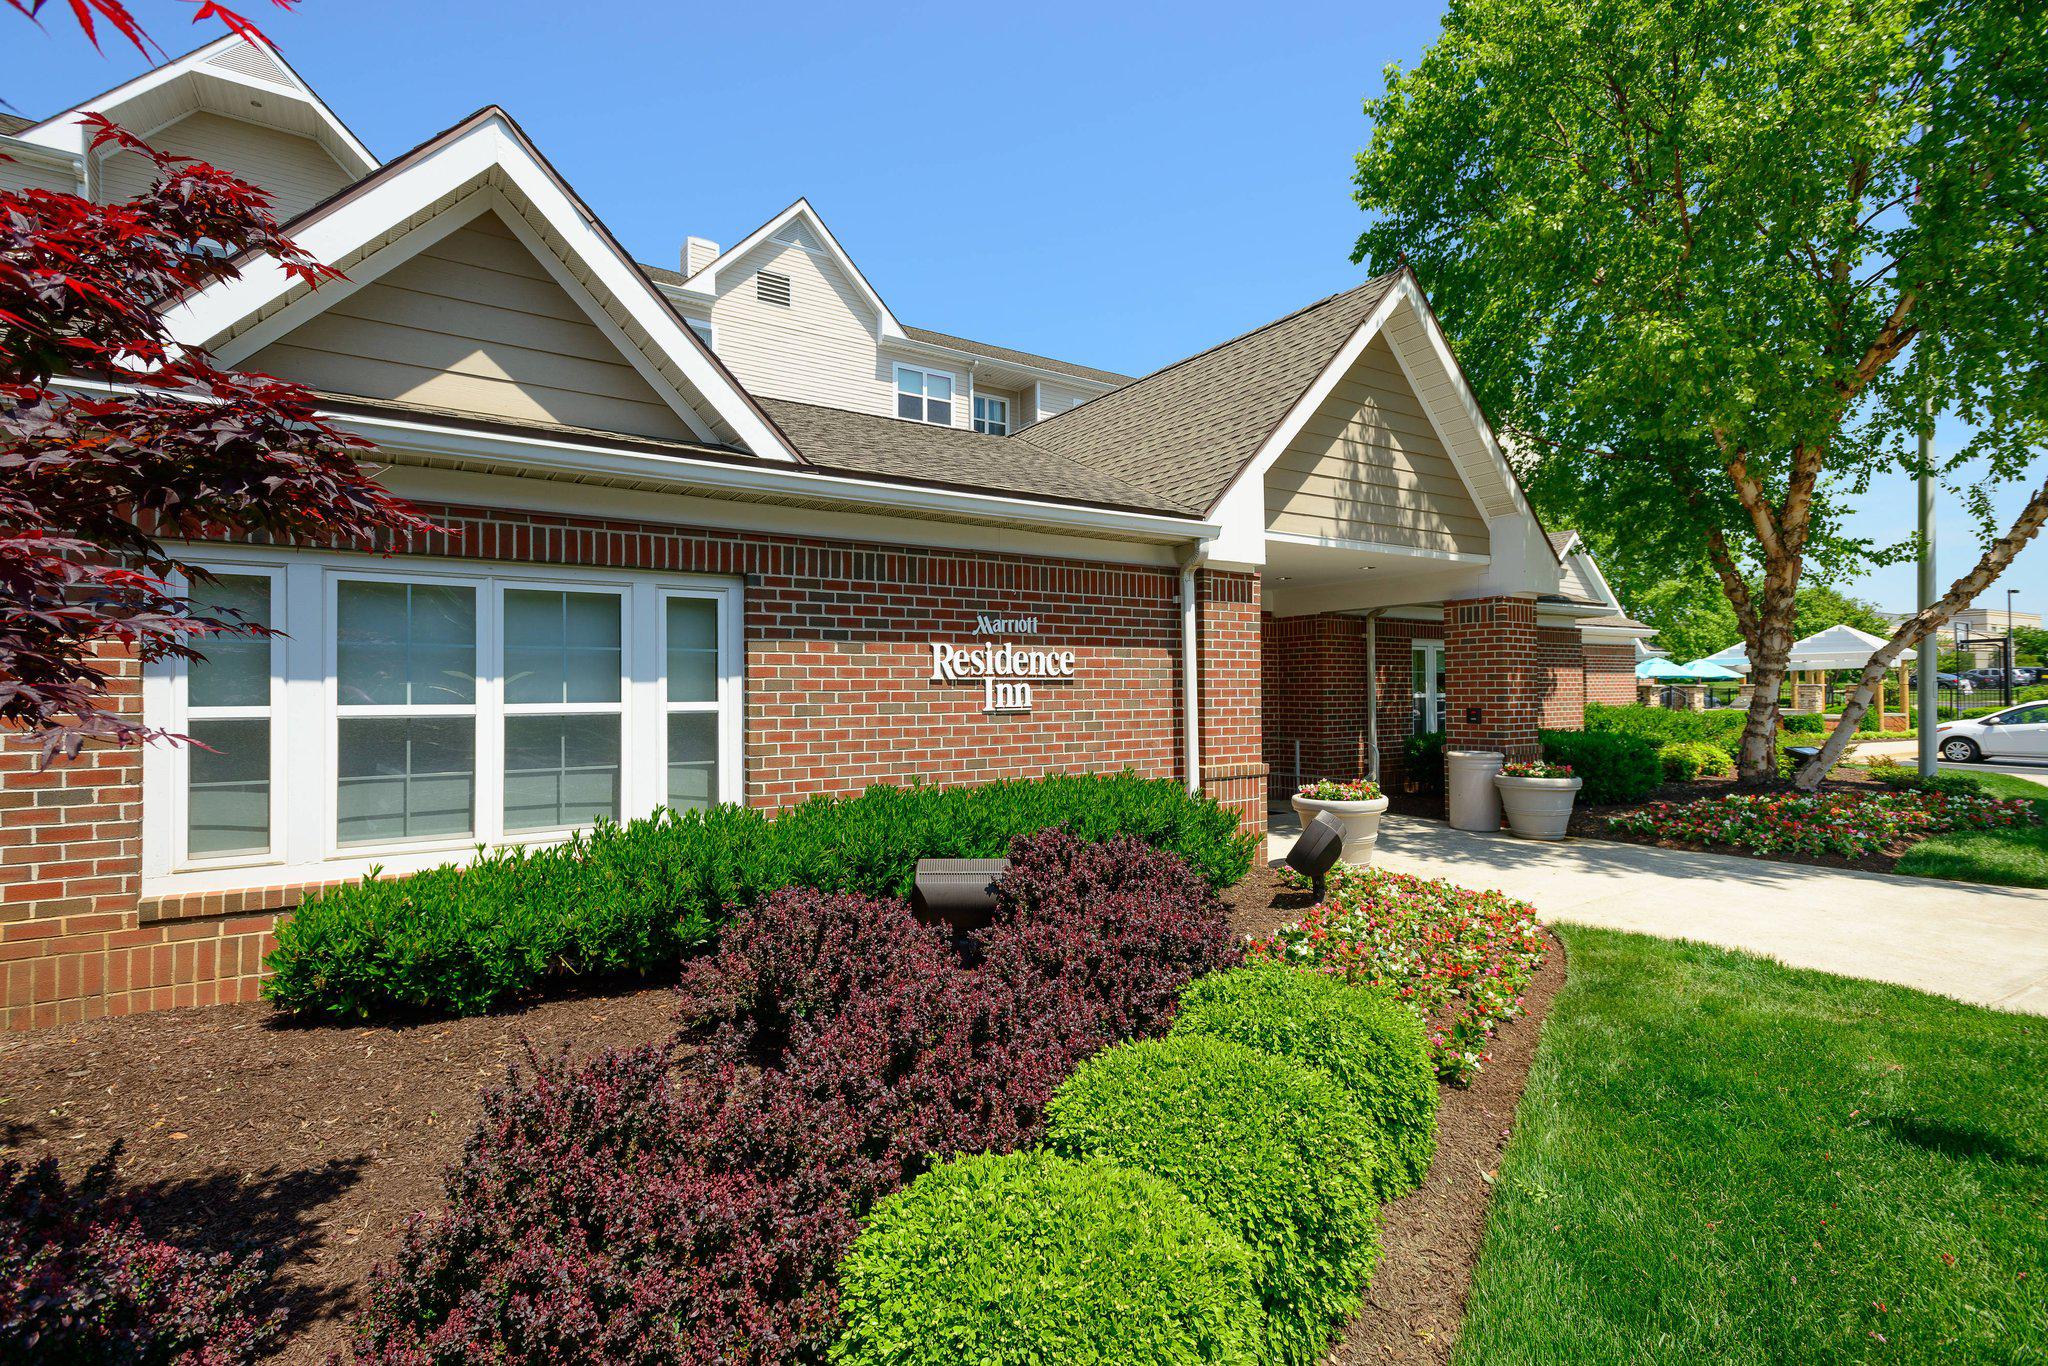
(1005, 671)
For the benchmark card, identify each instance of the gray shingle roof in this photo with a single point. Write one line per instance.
(1183, 433)
(12, 123)
(1559, 540)
(1617, 620)
(864, 443)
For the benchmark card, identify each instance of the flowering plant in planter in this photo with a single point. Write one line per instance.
(1331, 790)
(1535, 768)
(1461, 959)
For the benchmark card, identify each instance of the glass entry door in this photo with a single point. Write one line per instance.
(1426, 687)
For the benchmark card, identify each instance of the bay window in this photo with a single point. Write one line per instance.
(409, 711)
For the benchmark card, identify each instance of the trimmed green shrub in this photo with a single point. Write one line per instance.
(1276, 1152)
(1896, 775)
(1030, 1258)
(1615, 768)
(1369, 1042)
(1422, 760)
(633, 898)
(1796, 723)
(1685, 760)
(1663, 726)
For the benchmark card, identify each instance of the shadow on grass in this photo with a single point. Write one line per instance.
(1955, 1140)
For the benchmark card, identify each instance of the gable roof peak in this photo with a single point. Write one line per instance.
(705, 282)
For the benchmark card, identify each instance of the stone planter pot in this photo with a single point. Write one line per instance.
(1361, 822)
(1537, 808)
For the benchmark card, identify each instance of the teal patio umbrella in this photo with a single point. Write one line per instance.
(1706, 671)
(1663, 671)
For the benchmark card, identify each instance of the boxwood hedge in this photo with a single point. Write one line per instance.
(633, 898)
(1029, 1258)
(1613, 768)
(1369, 1042)
(1276, 1152)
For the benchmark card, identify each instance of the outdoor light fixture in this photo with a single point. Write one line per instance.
(1317, 850)
(957, 892)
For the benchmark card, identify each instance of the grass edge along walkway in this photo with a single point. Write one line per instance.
(1719, 1158)
(2005, 858)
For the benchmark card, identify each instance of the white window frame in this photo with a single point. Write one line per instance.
(178, 714)
(506, 709)
(924, 373)
(1432, 700)
(706, 330)
(989, 426)
(305, 717)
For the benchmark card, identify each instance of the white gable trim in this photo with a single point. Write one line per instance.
(1404, 319)
(459, 179)
(1591, 567)
(67, 132)
(705, 281)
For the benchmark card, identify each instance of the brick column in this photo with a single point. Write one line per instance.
(1315, 699)
(1227, 643)
(1494, 679)
(1563, 656)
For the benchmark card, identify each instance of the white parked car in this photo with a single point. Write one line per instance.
(2016, 733)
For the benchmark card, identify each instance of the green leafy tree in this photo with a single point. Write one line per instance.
(2029, 645)
(1709, 264)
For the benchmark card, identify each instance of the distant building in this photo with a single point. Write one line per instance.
(1981, 629)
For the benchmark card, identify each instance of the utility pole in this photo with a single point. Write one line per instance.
(2008, 645)
(1930, 644)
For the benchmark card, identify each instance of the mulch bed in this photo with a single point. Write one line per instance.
(310, 1145)
(1429, 1239)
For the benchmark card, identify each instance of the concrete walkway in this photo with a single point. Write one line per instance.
(1985, 945)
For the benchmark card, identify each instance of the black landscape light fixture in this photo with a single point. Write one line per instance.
(957, 892)
(1317, 850)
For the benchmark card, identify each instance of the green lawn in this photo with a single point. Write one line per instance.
(1721, 1159)
(2011, 858)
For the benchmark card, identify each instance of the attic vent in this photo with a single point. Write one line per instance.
(771, 288)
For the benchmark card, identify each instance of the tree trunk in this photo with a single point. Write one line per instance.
(1769, 658)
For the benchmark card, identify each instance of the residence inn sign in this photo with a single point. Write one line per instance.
(1005, 670)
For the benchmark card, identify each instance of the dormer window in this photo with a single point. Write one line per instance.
(772, 288)
(991, 415)
(924, 395)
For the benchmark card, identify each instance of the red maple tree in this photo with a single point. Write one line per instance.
(116, 443)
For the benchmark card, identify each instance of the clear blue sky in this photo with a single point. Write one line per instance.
(1114, 184)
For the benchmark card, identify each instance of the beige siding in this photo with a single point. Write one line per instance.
(820, 349)
(297, 171)
(1368, 467)
(34, 175)
(1057, 398)
(474, 323)
(1574, 582)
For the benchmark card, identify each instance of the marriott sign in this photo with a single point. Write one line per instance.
(1005, 671)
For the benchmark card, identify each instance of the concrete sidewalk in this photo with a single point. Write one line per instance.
(1985, 945)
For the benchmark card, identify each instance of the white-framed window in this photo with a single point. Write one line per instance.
(227, 807)
(415, 709)
(1427, 683)
(924, 395)
(706, 333)
(991, 415)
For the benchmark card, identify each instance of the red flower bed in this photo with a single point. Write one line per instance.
(1841, 823)
(1462, 959)
(689, 1203)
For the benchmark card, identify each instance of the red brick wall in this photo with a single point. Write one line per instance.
(1491, 664)
(1560, 651)
(1610, 673)
(1229, 638)
(1396, 690)
(838, 696)
(1315, 693)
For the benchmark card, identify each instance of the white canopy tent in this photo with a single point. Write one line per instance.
(1838, 647)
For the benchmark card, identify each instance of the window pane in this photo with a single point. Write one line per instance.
(692, 760)
(406, 778)
(562, 647)
(941, 413)
(692, 650)
(910, 406)
(228, 809)
(909, 381)
(938, 386)
(405, 644)
(560, 771)
(1418, 706)
(236, 670)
